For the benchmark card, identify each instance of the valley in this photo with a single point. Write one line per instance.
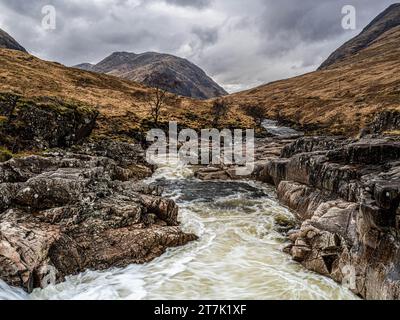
(83, 210)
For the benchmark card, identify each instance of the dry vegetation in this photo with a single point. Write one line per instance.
(123, 105)
(341, 99)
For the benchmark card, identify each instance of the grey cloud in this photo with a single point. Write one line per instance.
(200, 4)
(207, 36)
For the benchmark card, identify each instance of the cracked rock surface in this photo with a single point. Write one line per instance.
(65, 212)
(346, 197)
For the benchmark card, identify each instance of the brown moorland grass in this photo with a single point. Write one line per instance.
(123, 104)
(343, 98)
(340, 100)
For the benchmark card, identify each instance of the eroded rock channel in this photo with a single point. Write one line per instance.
(86, 207)
(345, 194)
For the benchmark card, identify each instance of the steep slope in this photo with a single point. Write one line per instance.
(387, 20)
(171, 73)
(7, 42)
(339, 100)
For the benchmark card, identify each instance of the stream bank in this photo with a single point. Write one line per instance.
(239, 251)
(238, 254)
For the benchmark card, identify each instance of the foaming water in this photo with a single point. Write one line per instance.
(238, 256)
(8, 293)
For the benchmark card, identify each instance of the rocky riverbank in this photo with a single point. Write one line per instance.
(346, 196)
(345, 193)
(63, 213)
(79, 205)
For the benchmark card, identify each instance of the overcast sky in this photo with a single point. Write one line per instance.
(240, 43)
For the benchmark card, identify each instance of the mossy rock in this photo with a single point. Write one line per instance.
(43, 122)
(3, 121)
(56, 105)
(5, 155)
(392, 133)
(284, 222)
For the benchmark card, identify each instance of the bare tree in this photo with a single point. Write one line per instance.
(256, 112)
(157, 100)
(220, 109)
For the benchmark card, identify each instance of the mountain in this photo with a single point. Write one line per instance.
(387, 20)
(343, 98)
(85, 66)
(123, 105)
(7, 42)
(340, 100)
(168, 72)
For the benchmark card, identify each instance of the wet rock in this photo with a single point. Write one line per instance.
(212, 173)
(300, 198)
(346, 195)
(65, 213)
(366, 152)
(311, 144)
(266, 149)
(123, 153)
(284, 223)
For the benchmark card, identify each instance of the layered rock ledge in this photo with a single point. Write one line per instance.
(79, 206)
(62, 213)
(346, 196)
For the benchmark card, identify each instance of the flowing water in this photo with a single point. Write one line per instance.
(272, 127)
(239, 254)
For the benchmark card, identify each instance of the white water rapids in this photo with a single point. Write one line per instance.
(238, 256)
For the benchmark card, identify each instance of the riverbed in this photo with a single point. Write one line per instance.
(238, 254)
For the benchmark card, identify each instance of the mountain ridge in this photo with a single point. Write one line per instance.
(8, 42)
(174, 74)
(385, 21)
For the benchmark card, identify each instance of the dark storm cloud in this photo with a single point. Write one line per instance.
(311, 21)
(241, 43)
(191, 3)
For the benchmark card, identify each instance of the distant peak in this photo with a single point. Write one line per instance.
(122, 54)
(84, 66)
(169, 72)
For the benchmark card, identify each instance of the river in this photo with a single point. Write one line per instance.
(238, 255)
